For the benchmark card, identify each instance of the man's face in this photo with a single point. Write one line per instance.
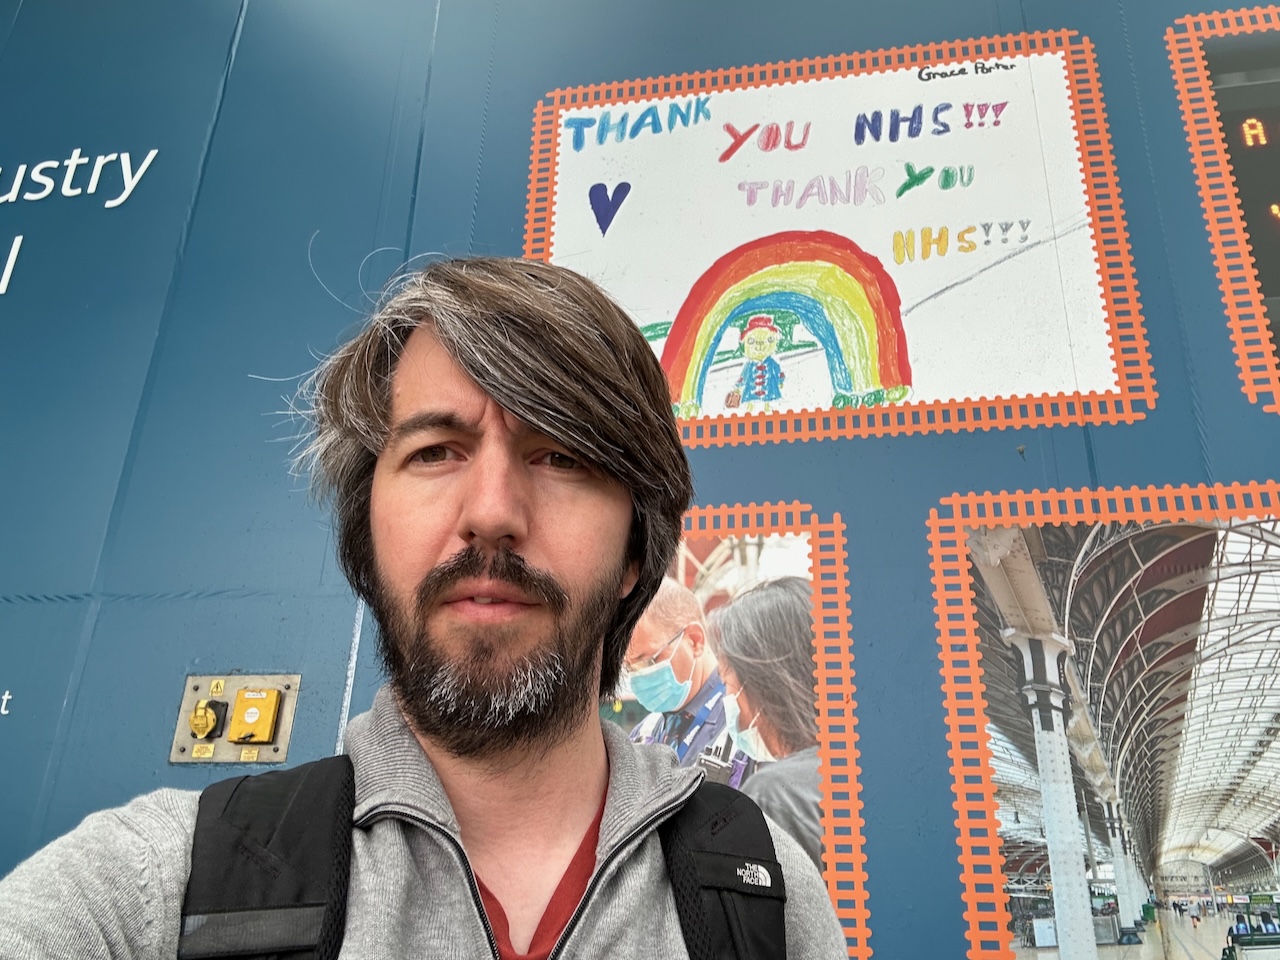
(653, 642)
(500, 562)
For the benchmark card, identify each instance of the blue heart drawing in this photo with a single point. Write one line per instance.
(605, 207)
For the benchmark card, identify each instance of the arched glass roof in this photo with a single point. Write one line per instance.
(1176, 664)
(1224, 791)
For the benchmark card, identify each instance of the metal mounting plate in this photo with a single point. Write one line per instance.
(186, 748)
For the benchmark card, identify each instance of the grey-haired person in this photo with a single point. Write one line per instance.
(672, 672)
(508, 483)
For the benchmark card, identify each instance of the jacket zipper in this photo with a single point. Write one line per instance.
(373, 817)
(643, 828)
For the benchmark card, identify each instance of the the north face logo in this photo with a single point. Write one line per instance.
(755, 875)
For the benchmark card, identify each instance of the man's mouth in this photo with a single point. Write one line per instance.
(501, 586)
(487, 608)
(488, 594)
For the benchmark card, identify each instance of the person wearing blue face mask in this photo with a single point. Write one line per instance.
(763, 641)
(672, 673)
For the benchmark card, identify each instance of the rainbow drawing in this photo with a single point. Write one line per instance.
(841, 295)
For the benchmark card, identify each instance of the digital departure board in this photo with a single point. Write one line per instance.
(1245, 72)
(1253, 141)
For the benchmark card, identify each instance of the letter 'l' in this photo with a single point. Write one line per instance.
(8, 267)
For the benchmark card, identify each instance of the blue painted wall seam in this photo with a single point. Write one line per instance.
(85, 640)
(1197, 408)
(422, 138)
(484, 127)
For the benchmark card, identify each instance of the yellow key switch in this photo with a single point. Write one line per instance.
(253, 718)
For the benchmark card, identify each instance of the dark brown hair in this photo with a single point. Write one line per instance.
(765, 635)
(551, 348)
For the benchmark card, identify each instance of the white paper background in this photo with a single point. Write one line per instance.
(1006, 320)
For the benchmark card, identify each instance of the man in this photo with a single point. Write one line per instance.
(508, 486)
(673, 673)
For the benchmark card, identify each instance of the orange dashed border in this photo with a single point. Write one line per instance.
(986, 906)
(1136, 393)
(844, 864)
(1251, 334)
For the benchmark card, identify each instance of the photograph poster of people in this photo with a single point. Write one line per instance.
(744, 666)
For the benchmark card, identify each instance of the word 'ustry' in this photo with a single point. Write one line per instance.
(66, 176)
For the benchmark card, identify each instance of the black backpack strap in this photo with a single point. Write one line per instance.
(270, 862)
(727, 882)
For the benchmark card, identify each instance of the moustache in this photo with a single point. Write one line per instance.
(505, 566)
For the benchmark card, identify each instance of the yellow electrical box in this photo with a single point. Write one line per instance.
(235, 717)
(253, 718)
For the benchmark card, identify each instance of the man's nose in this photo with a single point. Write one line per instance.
(495, 503)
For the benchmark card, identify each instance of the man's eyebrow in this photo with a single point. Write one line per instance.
(430, 420)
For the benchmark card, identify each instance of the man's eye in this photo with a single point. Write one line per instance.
(562, 461)
(432, 454)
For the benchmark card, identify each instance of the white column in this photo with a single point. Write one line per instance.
(1140, 889)
(1042, 659)
(1124, 885)
(1133, 910)
(1129, 908)
(1137, 891)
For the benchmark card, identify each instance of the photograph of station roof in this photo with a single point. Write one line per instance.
(1132, 685)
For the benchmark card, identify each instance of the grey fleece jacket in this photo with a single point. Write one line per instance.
(113, 887)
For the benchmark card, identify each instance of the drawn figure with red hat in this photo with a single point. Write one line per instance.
(762, 377)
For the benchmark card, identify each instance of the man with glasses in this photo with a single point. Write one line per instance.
(671, 671)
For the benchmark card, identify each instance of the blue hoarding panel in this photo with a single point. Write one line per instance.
(209, 197)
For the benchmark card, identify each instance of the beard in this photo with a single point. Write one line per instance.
(485, 701)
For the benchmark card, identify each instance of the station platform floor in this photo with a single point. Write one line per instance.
(1173, 938)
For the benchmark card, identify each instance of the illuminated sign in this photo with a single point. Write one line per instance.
(1245, 72)
(1253, 143)
(1254, 134)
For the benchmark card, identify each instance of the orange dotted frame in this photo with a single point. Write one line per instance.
(1251, 334)
(982, 878)
(1130, 351)
(844, 869)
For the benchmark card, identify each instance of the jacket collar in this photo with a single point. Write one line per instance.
(394, 775)
(643, 780)
(391, 769)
